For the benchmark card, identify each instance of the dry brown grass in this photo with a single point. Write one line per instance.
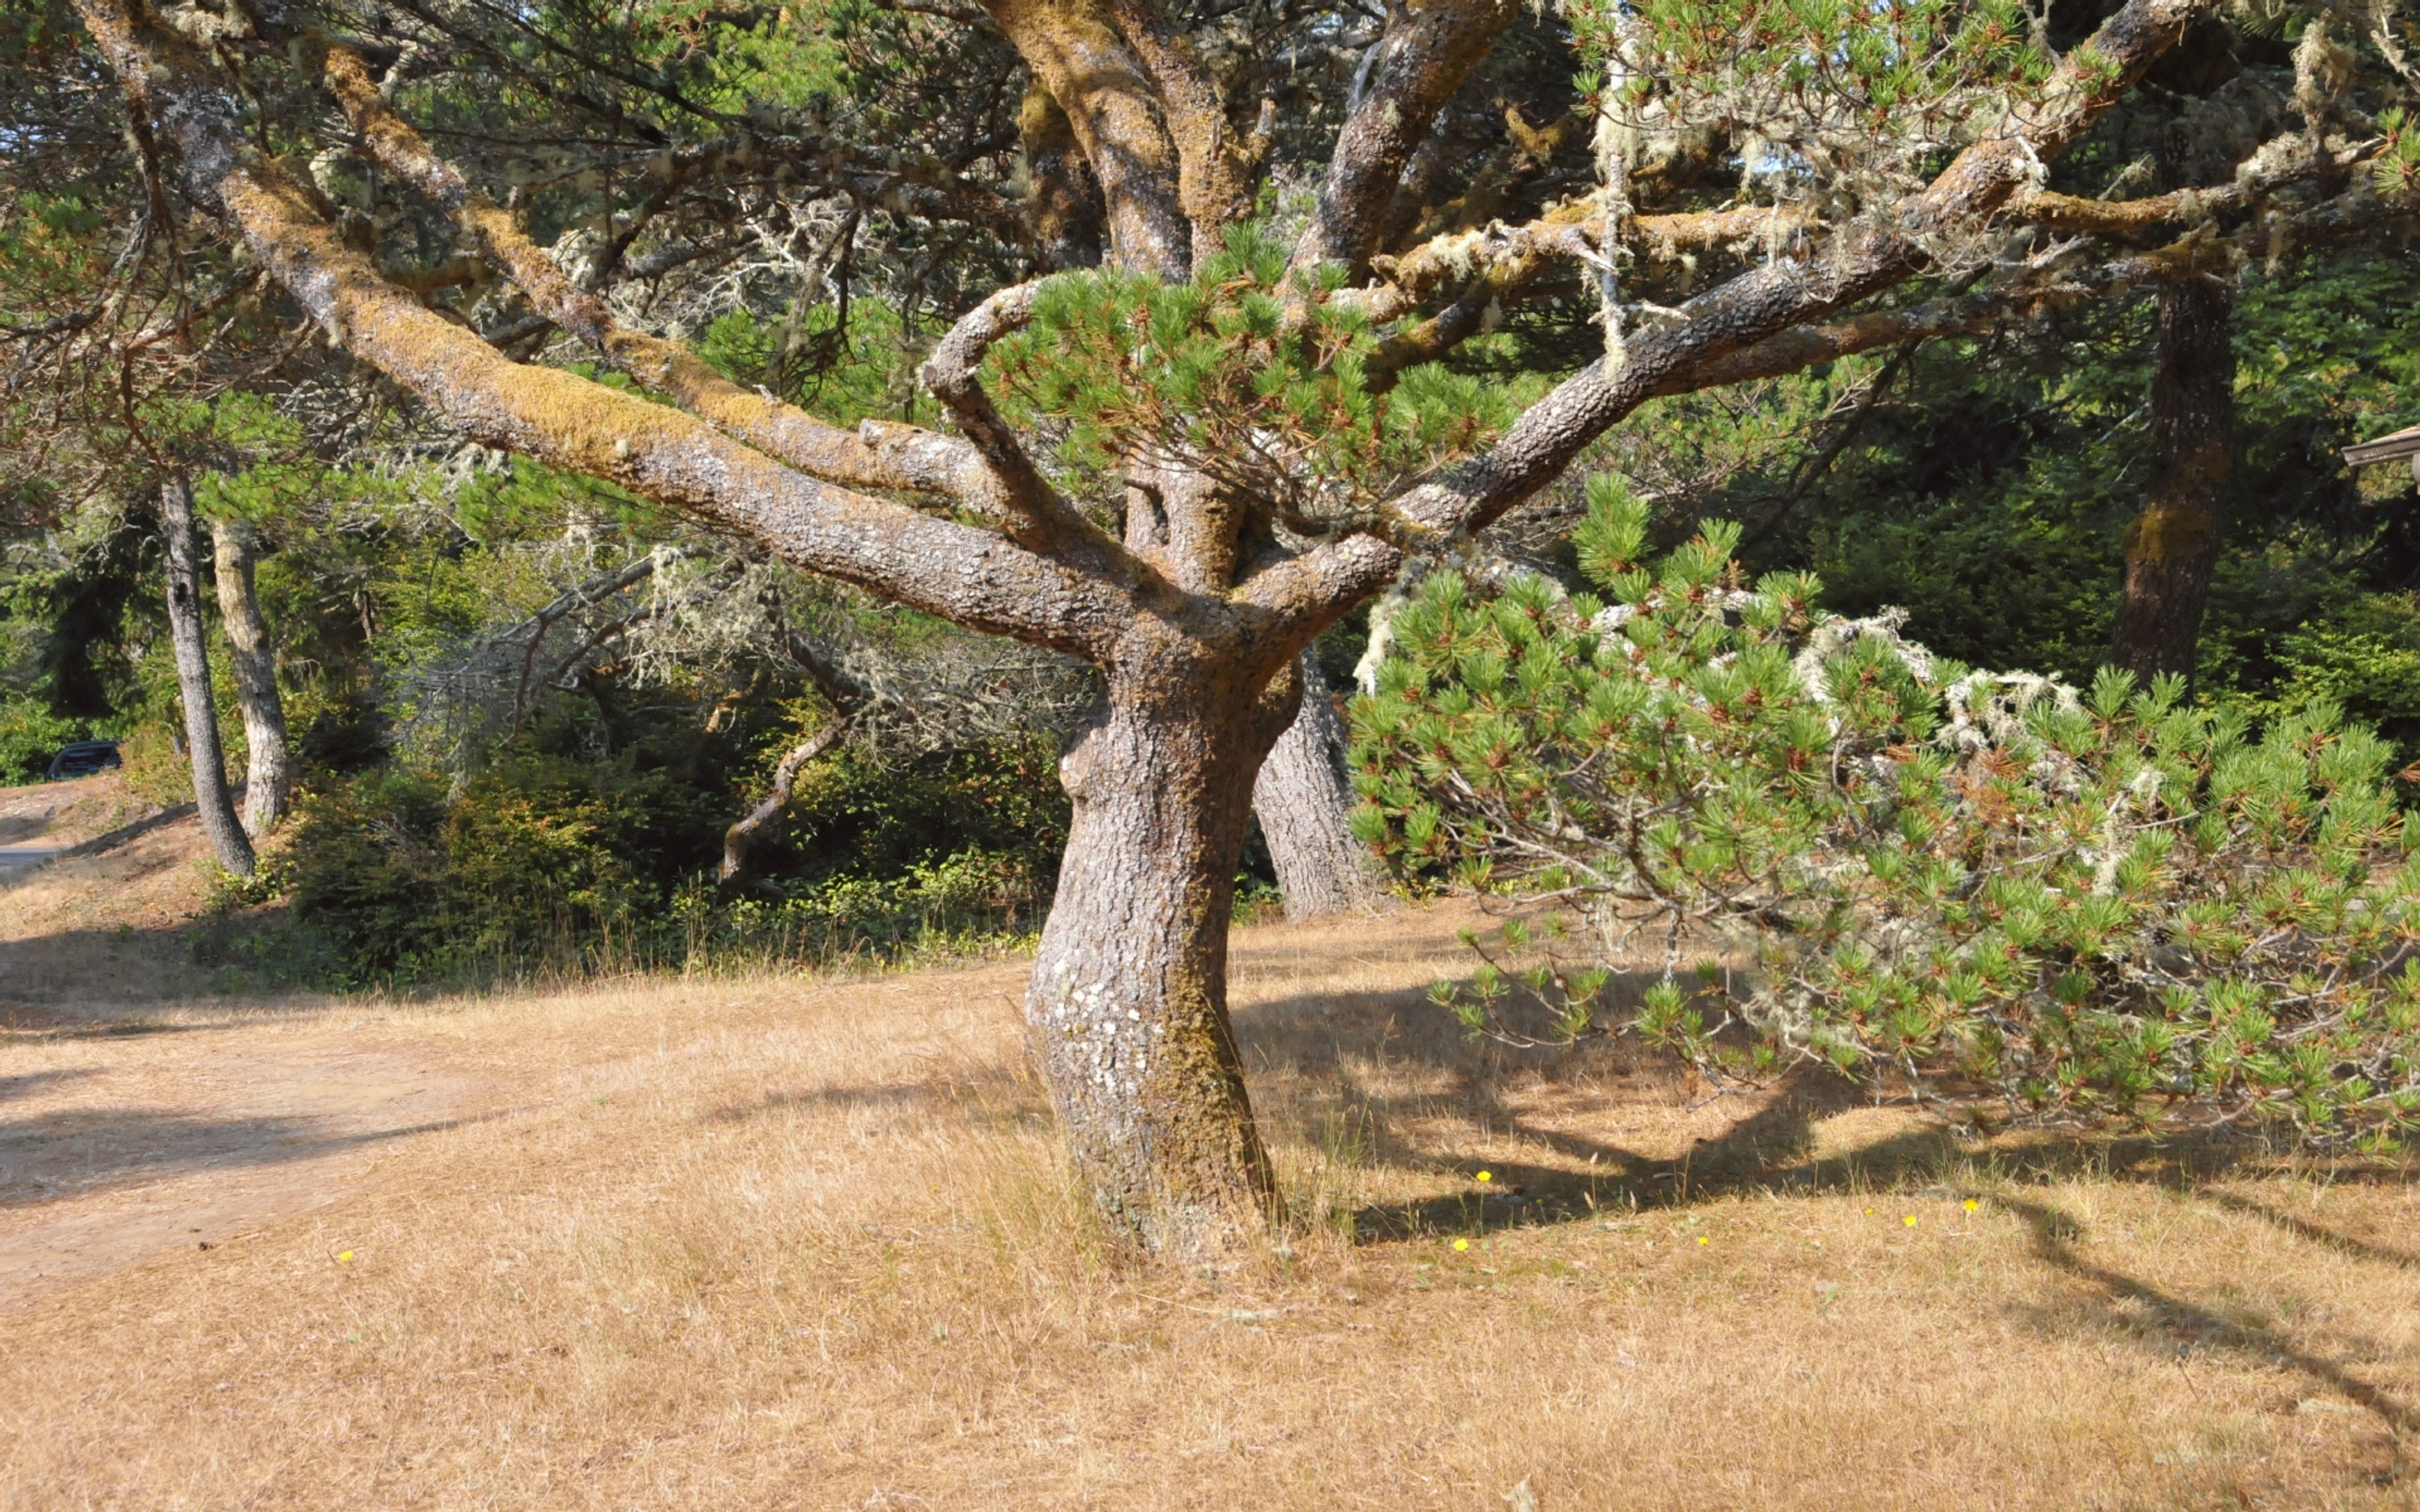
(97, 932)
(776, 1244)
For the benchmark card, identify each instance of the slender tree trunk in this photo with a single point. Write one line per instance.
(269, 769)
(740, 835)
(2173, 544)
(1304, 800)
(210, 796)
(1127, 1007)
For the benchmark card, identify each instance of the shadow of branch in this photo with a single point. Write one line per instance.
(2054, 1237)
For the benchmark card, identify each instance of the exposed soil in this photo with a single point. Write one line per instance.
(96, 912)
(131, 1121)
(131, 1143)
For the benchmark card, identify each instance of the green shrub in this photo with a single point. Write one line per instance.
(557, 863)
(2099, 906)
(30, 735)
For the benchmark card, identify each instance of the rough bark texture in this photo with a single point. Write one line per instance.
(211, 793)
(1114, 107)
(1213, 171)
(1302, 798)
(269, 769)
(1127, 1006)
(2172, 544)
(1063, 207)
(1422, 59)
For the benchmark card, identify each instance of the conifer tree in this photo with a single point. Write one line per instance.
(1183, 466)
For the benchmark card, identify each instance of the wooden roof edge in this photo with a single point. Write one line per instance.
(2385, 449)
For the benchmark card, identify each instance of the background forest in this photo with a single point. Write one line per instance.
(526, 707)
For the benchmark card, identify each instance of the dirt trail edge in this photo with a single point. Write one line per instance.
(115, 1147)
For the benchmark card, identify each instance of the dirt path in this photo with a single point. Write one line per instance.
(115, 1146)
(138, 1116)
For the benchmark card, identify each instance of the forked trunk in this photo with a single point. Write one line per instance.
(1127, 1006)
(1304, 801)
(194, 679)
(268, 771)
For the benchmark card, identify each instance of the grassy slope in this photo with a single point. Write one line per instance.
(97, 932)
(773, 1244)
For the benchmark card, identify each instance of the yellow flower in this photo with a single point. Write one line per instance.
(1487, 1176)
(1702, 1239)
(1908, 1220)
(1971, 1204)
(1462, 1244)
(347, 1255)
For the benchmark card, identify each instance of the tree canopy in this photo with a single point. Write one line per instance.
(1166, 338)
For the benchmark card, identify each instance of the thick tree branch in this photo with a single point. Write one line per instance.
(1063, 213)
(1214, 173)
(742, 834)
(1030, 511)
(779, 429)
(1113, 104)
(1861, 262)
(2028, 294)
(1425, 56)
(958, 571)
(2190, 206)
(1510, 256)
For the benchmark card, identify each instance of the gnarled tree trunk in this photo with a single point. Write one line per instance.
(1127, 1005)
(2173, 544)
(211, 794)
(1191, 615)
(1304, 801)
(1063, 203)
(269, 769)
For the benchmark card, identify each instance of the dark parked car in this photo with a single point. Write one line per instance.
(83, 758)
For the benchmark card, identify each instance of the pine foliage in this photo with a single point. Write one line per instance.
(1242, 375)
(2102, 904)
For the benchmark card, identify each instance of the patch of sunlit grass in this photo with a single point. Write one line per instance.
(768, 1244)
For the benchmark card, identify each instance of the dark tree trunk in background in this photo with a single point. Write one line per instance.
(210, 795)
(1064, 209)
(269, 769)
(1304, 800)
(2172, 544)
(742, 835)
(1127, 1007)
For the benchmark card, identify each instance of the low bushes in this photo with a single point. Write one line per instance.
(553, 863)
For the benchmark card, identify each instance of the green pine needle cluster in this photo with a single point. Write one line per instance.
(2106, 906)
(1247, 373)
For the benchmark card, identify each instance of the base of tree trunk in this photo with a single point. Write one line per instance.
(1127, 1005)
(185, 635)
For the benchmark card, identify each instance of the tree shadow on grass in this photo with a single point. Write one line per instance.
(2303, 1228)
(48, 1159)
(1317, 1039)
(2055, 1235)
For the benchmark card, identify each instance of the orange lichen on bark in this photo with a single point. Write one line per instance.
(1114, 107)
(1213, 171)
(2124, 217)
(660, 453)
(780, 429)
(1664, 238)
